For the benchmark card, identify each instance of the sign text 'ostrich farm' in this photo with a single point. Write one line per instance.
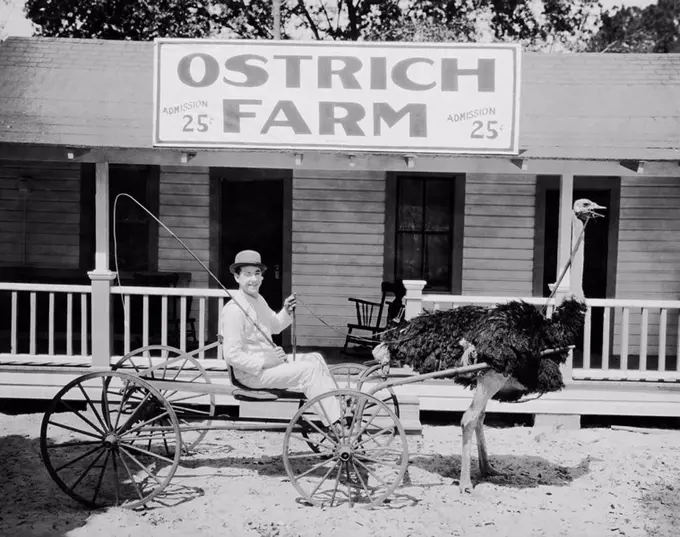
(380, 97)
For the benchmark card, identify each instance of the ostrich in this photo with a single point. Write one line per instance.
(508, 337)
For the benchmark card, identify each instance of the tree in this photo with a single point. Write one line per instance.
(120, 19)
(531, 22)
(656, 28)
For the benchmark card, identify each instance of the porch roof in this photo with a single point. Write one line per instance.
(95, 93)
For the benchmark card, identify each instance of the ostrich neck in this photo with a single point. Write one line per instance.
(576, 279)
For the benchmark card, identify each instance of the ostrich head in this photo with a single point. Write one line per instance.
(585, 209)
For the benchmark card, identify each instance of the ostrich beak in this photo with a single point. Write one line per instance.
(593, 210)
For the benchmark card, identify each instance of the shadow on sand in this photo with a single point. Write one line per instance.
(514, 471)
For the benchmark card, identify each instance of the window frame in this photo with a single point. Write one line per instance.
(457, 227)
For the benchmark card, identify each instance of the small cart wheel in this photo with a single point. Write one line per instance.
(361, 459)
(347, 374)
(376, 373)
(162, 362)
(113, 451)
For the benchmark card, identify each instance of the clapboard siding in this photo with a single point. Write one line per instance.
(337, 243)
(184, 203)
(499, 234)
(648, 256)
(51, 209)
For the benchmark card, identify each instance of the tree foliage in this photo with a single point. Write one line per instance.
(656, 28)
(530, 22)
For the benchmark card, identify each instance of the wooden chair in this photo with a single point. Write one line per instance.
(369, 322)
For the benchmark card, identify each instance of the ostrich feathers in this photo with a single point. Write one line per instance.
(509, 337)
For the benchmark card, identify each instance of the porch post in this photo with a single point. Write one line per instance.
(413, 298)
(101, 276)
(563, 253)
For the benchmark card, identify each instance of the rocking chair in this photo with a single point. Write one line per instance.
(369, 322)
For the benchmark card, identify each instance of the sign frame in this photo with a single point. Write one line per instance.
(512, 147)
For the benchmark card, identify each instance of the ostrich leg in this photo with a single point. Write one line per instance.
(488, 385)
(484, 467)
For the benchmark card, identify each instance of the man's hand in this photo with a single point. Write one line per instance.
(289, 304)
(275, 356)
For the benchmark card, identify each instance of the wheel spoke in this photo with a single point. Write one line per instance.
(337, 483)
(147, 452)
(115, 477)
(74, 444)
(361, 480)
(69, 463)
(101, 477)
(316, 467)
(371, 472)
(122, 402)
(92, 406)
(320, 444)
(321, 482)
(307, 455)
(373, 437)
(140, 425)
(134, 459)
(87, 470)
(376, 461)
(68, 427)
(131, 476)
(77, 413)
(320, 431)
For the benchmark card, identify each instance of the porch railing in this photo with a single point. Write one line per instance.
(622, 339)
(45, 323)
(167, 316)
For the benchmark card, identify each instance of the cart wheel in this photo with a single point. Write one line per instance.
(364, 462)
(112, 453)
(348, 374)
(162, 362)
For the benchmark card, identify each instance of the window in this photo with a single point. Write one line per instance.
(424, 231)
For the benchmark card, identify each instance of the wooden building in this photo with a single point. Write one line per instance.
(75, 131)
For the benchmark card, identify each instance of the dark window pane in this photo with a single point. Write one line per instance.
(409, 256)
(438, 262)
(438, 205)
(410, 214)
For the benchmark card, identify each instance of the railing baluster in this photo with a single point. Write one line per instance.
(201, 326)
(606, 327)
(644, 334)
(32, 349)
(126, 323)
(50, 329)
(145, 320)
(183, 323)
(164, 320)
(15, 309)
(663, 321)
(624, 338)
(83, 324)
(69, 324)
(586, 337)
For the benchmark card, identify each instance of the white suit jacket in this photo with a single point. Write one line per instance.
(243, 346)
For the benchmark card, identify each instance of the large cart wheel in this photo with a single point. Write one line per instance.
(362, 459)
(162, 362)
(110, 452)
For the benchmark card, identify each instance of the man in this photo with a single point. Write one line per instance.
(258, 364)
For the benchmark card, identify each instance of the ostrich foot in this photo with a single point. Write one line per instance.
(465, 487)
(489, 471)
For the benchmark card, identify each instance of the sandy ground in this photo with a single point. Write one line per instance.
(590, 482)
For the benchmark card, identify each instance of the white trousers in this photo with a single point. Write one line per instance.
(308, 374)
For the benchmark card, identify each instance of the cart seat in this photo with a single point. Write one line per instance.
(245, 393)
